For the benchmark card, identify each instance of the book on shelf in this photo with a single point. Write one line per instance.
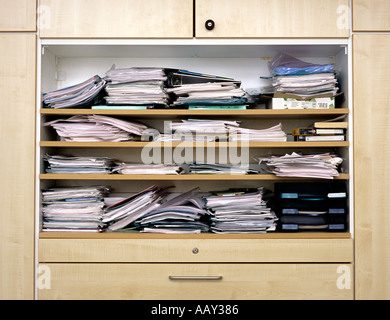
(320, 138)
(331, 125)
(317, 131)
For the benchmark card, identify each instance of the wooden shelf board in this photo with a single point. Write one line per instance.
(140, 144)
(140, 235)
(170, 177)
(183, 112)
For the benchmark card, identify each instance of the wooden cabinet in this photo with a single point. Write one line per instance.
(199, 282)
(18, 15)
(138, 265)
(17, 126)
(116, 19)
(371, 149)
(371, 15)
(272, 19)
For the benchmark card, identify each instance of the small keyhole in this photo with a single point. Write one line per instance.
(195, 250)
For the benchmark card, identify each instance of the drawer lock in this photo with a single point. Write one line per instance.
(195, 250)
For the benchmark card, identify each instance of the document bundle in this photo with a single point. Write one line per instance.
(222, 130)
(65, 164)
(155, 210)
(98, 128)
(73, 209)
(136, 86)
(322, 166)
(240, 211)
(82, 95)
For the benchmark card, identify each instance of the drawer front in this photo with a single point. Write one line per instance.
(116, 19)
(196, 250)
(274, 19)
(194, 281)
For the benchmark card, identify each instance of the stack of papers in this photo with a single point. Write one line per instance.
(125, 212)
(136, 86)
(140, 168)
(323, 166)
(220, 130)
(209, 168)
(306, 85)
(240, 212)
(97, 128)
(212, 93)
(201, 130)
(77, 209)
(274, 133)
(183, 213)
(153, 210)
(66, 164)
(303, 79)
(82, 95)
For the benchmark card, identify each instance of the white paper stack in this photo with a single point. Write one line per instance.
(306, 85)
(141, 168)
(122, 214)
(97, 128)
(240, 212)
(323, 166)
(208, 93)
(136, 86)
(221, 130)
(68, 164)
(274, 133)
(182, 213)
(73, 209)
(83, 94)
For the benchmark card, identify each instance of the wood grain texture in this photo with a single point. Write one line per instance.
(209, 250)
(371, 15)
(117, 19)
(17, 168)
(372, 170)
(18, 15)
(239, 281)
(274, 19)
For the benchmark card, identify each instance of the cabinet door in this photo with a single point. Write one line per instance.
(276, 18)
(372, 171)
(371, 15)
(116, 19)
(195, 281)
(17, 168)
(18, 15)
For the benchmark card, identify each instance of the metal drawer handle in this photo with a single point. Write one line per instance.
(195, 277)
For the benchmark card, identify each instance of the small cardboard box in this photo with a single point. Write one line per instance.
(292, 102)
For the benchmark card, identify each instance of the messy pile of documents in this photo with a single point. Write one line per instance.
(97, 128)
(212, 168)
(274, 133)
(141, 168)
(296, 77)
(236, 211)
(155, 210)
(213, 93)
(136, 86)
(67, 164)
(81, 95)
(73, 209)
(182, 213)
(221, 130)
(323, 166)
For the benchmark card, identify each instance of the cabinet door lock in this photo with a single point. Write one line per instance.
(195, 250)
(210, 24)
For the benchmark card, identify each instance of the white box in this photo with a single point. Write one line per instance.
(314, 103)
